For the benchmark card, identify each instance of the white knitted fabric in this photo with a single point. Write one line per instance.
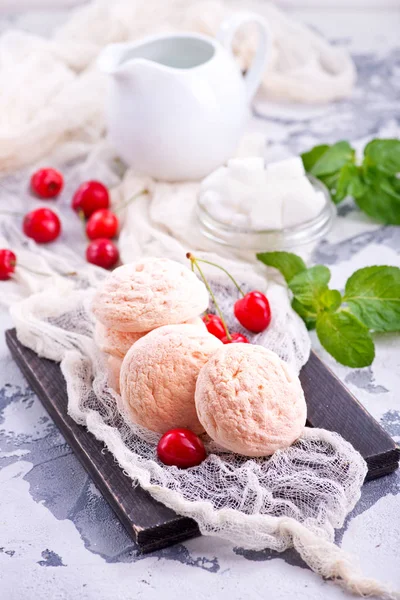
(52, 93)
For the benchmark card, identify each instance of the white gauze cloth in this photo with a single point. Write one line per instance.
(296, 498)
(234, 497)
(52, 92)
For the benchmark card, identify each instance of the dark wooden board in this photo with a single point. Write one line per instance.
(151, 524)
(330, 405)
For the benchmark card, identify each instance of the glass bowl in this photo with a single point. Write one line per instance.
(271, 239)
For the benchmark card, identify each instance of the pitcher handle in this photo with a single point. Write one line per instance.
(226, 34)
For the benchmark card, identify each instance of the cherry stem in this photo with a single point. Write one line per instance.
(82, 219)
(225, 271)
(69, 274)
(10, 213)
(142, 193)
(195, 262)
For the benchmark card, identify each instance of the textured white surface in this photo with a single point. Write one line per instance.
(60, 540)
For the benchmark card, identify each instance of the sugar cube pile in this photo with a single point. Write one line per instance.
(248, 195)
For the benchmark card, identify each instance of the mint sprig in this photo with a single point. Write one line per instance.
(371, 303)
(287, 263)
(373, 295)
(345, 338)
(307, 288)
(374, 184)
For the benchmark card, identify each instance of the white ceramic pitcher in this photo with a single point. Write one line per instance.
(178, 103)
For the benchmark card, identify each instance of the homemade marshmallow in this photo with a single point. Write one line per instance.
(149, 293)
(117, 343)
(249, 401)
(158, 376)
(113, 372)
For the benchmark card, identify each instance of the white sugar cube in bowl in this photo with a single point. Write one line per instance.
(248, 205)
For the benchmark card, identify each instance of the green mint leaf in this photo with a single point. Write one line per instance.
(331, 182)
(287, 263)
(345, 338)
(346, 182)
(373, 295)
(349, 183)
(332, 160)
(395, 184)
(326, 300)
(310, 158)
(330, 299)
(307, 288)
(384, 154)
(357, 186)
(381, 197)
(308, 285)
(308, 314)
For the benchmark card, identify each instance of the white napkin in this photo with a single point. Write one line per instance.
(51, 91)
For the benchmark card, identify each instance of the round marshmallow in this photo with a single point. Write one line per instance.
(249, 401)
(117, 343)
(149, 293)
(158, 376)
(113, 372)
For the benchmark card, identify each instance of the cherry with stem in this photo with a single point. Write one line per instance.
(131, 199)
(195, 263)
(8, 263)
(235, 283)
(68, 274)
(252, 310)
(11, 213)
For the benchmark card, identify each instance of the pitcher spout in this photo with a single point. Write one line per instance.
(110, 59)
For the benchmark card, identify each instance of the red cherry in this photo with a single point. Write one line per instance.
(182, 448)
(236, 338)
(47, 183)
(42, 225)
(214, 325)
(253, 312)
(102, 224)
(103, 253)
(8, 260)
(89, 197)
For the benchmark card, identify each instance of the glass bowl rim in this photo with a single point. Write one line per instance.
(303, 233)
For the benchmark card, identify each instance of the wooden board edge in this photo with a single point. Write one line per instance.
(379, 464)
(176, 529)
(384, 464)
(188, 529)
(391, 443)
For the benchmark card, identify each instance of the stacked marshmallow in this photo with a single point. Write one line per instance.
(140, 297)
(171, 374)
(246, 195)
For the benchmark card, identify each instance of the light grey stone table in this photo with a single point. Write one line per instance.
(59, 540)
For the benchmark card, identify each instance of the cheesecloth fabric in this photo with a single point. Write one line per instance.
(299, 496)
(296, 498)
